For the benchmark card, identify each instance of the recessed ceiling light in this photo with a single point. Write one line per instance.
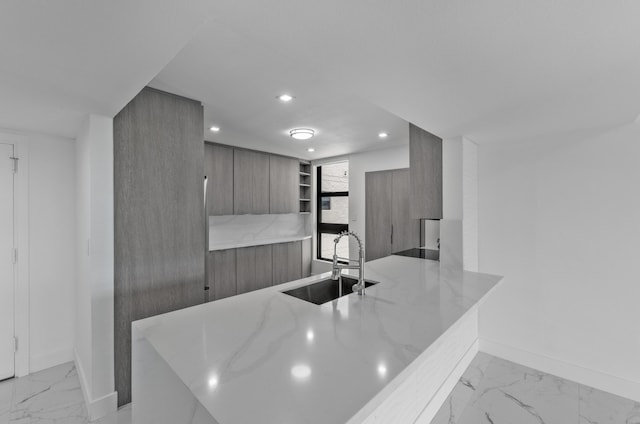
(302, 133)
(301, 371)
(311, 150)
(383, 135)
(285, 97)
(214, 128)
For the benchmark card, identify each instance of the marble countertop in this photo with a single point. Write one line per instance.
(246, 243)
(271, 358)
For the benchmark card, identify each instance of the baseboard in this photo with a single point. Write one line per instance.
(50, 359)
(96, 408)
(588, 377)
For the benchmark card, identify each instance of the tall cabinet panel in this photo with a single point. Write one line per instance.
(218, 167)
(284, 183)
(378, 186)
(425, 165)
(405, 230)
(254, 268)
(389, 227)
(250, 182)
(287, 262)
(158, 215)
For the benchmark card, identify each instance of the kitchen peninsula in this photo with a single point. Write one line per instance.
(271, 358)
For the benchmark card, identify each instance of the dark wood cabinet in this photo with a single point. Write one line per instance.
(159, 257)
(378, 186)
(284, 188)
(306, 257)
(287, 262)
(241, 270)
(389, 227)
(425, 180)
(218, 167)
(250, 182)
(222, 273)
(254, 268)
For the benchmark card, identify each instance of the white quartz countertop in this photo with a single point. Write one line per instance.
(267, 357)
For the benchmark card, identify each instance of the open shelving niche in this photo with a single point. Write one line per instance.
(305, 187)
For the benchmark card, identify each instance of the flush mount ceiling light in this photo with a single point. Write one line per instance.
(302, 133)
(383, 135)
(311, 150)
(214, 128)
(285, 97)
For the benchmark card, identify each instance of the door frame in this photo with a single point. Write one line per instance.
(21, 238)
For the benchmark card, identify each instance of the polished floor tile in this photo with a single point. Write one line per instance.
(491, 391)
(463, 391)
(51, 396)
(495, 391)
(604, 408)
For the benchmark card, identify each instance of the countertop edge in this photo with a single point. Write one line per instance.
(250, 243)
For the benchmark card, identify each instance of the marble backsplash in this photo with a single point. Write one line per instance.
(229, 231)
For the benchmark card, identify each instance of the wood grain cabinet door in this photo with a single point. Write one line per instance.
(378, 186)
(287, 262)
(405, 231)
(306, 258)
(222, 273)
(254, 268)
(218, 167)
(284, 192)
(250, 182)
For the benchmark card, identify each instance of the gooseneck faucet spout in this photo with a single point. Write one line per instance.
(337, 268)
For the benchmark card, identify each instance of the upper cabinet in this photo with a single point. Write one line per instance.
(284, 184)
(218, 167)
(388, 227)
(250, 182)
(425, 172)
(241, 181)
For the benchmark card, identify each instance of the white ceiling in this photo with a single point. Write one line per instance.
(491, 70)
(62, 59)
(238, 79)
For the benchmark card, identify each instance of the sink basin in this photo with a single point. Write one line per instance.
(326, 290)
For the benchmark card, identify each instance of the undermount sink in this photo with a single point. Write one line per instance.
(326, 290)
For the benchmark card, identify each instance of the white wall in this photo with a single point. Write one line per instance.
(560, 219)
(51, 250)
(470, 205)
(359, 163)
(94, 249)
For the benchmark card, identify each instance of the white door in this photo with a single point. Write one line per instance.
(7, 355)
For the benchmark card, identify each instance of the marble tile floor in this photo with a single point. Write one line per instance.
(491, 391)
(495, 391)
(51, 396)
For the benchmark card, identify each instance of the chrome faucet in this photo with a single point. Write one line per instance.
(337, 268)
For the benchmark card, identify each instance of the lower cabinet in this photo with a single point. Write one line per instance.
(287, 262)
(306, 258)
(241, 270)
(254, 268)
(222, 273)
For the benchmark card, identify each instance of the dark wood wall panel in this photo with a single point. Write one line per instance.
(425, 170)
(159, 217)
